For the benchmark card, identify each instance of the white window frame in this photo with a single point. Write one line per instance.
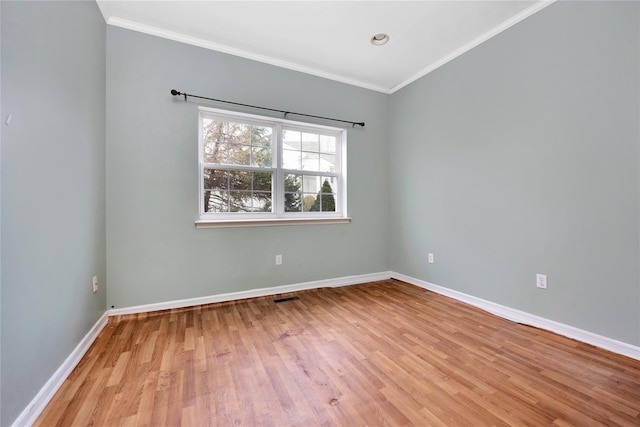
(278, 216)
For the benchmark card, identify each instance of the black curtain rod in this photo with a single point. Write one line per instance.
(176, 93)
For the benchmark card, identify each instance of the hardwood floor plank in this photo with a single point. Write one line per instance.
(377, 354)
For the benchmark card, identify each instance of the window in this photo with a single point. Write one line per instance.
(256, 168)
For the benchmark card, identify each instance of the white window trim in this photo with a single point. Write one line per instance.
(278, 217)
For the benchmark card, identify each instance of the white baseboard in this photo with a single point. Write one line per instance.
(252, 293)
(529, 319)
(37, 405)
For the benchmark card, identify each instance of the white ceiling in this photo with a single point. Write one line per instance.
(329, 38)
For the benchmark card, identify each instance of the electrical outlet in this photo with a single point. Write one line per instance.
(278, 259)
(430, 258)
(541, 281)
(95, 284)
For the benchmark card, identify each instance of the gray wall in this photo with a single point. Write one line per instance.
(154, 252)
(522, 157)
(53, 189)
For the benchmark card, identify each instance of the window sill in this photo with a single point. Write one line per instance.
(205, 223)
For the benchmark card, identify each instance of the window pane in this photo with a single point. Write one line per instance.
(311, 184)
(239, 180)
(261, 156)
(291, 159)
(215, 179)
(234, 143)
(247, 201)
(329, 184)
(328, 203)
(237, 133)
(292, 202)
(250, 191)
(240, 201)
(262, 181)
(292, 198)
(261, 136)
(327, 163)
(301, 150)
(319, 194)
(292, 183)
(261, 202)
(310, 161)
(327, 194)
(327, 144)
(310, 203)
(223, 131)
(212, 130)
(239, 154)
(215, 152)
(310, 142)
(291, 140)
(216, 201)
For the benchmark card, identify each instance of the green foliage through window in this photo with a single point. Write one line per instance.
(325, 202)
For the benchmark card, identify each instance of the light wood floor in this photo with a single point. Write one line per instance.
(377, 354)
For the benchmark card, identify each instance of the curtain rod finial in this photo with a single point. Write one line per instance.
(175, 93)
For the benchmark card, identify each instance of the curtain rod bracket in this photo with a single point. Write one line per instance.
(286, 113)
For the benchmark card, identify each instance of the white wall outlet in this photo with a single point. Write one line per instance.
(430, 258)
(95, 284)
(541, 281)
(278, 259)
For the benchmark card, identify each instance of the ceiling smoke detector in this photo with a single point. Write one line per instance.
(380, 39)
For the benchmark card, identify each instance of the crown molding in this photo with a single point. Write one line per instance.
(475, 42)
(218, 47)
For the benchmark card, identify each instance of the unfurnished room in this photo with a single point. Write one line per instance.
(336, 213)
